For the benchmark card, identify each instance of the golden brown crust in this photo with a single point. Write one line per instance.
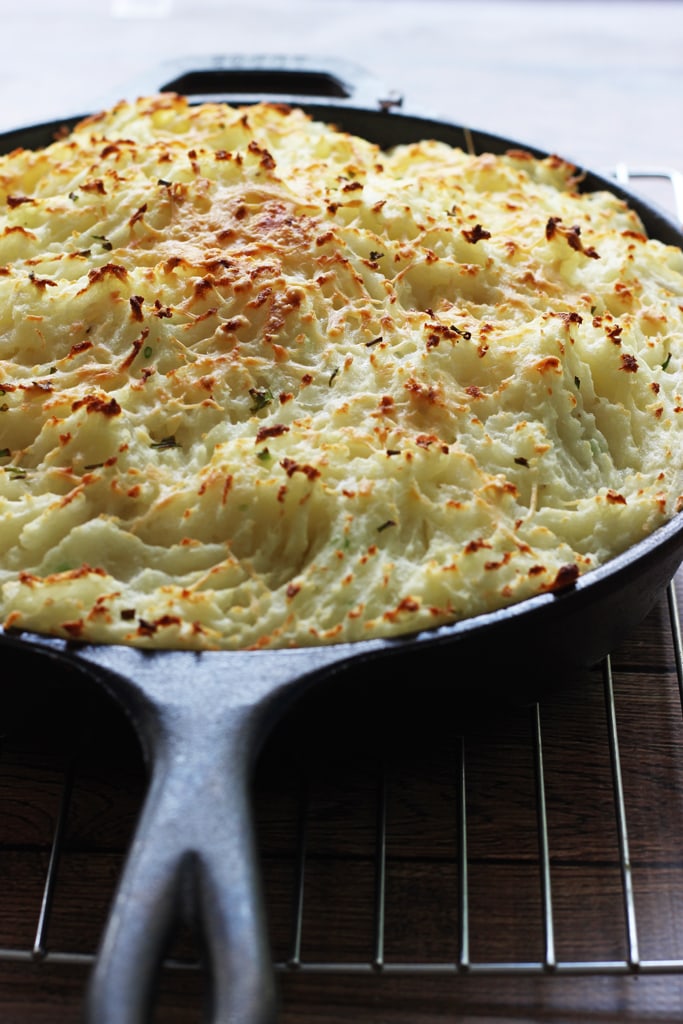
(266, 385)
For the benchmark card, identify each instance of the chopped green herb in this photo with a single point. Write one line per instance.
(162, 181)
(264, 455)
(4, 453)
(166, 442)
(463, 334)
(374, 255)
(262, 397)
(147, 351)
(665, 364)
(386, 525)
(521, 461)
(106, 244)
(577, 381)
(73, 196)
(335, 373)
(16, 472)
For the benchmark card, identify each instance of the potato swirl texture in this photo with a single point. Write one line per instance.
(264, 384)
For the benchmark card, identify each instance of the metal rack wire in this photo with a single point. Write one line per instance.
(549, 963)
(292, 950)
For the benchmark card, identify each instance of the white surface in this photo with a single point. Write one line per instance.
(597, 82)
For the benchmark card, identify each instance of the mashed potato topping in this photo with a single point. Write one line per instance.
(263, 384)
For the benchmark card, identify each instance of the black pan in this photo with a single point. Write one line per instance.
(202, 717)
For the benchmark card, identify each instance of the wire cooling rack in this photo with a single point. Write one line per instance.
(539, 916)
(396, 839)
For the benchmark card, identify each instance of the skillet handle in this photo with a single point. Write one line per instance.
(194, 847)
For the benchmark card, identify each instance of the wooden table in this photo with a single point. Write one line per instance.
(362, 795)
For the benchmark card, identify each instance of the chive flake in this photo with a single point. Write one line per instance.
(166, 442)
(467, 335)
(262, 397)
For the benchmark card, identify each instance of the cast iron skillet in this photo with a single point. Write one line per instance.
(202, 717)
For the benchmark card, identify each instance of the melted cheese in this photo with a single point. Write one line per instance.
(264, 384)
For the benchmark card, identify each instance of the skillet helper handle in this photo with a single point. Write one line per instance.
(194, 848)
(266, 76)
